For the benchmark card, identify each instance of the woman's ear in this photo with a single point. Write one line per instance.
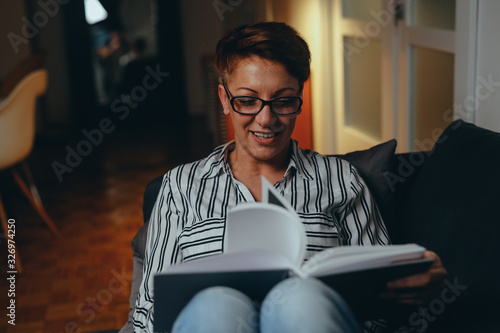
(224, 100)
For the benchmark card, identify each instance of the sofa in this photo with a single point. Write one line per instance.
(446, 199)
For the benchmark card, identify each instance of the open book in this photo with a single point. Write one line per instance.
(264, 244)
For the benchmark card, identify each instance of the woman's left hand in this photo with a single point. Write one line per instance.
(420, 288)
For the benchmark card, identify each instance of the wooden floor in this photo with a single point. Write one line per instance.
(80, 282)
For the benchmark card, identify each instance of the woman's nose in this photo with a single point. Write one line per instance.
(266, 118)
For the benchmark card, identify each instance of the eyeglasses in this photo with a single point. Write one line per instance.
(281, 106)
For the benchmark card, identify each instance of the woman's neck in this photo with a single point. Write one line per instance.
(249, 170)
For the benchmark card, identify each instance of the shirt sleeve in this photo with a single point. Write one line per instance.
(361, 222)
(162, 250)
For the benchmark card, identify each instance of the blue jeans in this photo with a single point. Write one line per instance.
(294, 305)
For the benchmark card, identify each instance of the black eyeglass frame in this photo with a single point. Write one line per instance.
(264, 103)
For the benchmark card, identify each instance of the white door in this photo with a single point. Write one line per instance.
(426, 72)
(393, 65)
(363, 73)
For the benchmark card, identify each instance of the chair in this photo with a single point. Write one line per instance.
(17, 133)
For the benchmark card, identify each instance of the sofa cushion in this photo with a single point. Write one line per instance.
(374, 165)
(453, 210)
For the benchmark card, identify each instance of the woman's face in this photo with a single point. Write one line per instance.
(264, 137)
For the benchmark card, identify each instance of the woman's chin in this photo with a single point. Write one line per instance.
(267, 153)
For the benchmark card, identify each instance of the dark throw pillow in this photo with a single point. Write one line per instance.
(453, 209)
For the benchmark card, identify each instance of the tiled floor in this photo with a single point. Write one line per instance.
(80, 282)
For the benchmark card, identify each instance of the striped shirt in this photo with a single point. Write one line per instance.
(188, 219)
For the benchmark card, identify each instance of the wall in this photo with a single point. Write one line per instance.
(488, 65)
(204, 23)
(202, 28)
(11, 13)
(47, 35)
(308, 19)
(51, 39)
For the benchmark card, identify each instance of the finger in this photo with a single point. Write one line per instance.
(395, 295)
(435, 275)
(426, 293)
(413, 281)
(411, 301)
(436, 264)
(404, 300)
(415, 297)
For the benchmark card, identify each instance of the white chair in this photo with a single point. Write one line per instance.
(17, 134)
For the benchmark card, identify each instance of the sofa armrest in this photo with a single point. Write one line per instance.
(138, 249)
(134, 290)
(150, 195)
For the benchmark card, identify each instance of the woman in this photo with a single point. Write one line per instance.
(263, 69)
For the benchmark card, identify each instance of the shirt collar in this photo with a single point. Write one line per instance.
(218, 161)
(298, 161)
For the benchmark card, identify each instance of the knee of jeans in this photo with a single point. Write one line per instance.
(217, 309)
(214, 294)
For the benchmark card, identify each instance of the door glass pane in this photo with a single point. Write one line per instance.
(431, 94)
(434, 14)
(363, 88)
(360, 9)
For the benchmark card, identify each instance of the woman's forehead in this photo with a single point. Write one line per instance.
(253, 70)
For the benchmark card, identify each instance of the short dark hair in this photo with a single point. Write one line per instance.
(269, 40)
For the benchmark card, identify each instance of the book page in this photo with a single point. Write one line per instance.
(271, 195)
(258, 225)
(349, 258)
(233, 262)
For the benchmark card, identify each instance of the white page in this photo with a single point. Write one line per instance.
(348, 258)
(234, 261)
(265, 226)
(271, 195)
